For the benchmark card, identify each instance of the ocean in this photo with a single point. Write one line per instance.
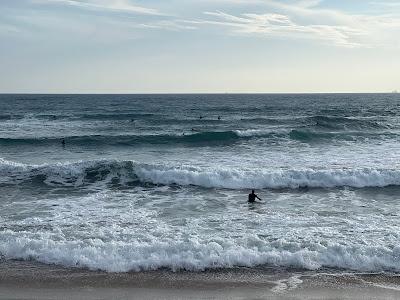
(160, 182)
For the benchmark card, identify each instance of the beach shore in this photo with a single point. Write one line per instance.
(31, 280)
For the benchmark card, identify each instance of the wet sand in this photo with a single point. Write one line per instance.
(30, 280)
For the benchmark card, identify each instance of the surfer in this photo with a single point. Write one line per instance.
(63, 142)
(219, 117)
(252, 197)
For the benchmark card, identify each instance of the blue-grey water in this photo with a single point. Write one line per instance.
(145, 182)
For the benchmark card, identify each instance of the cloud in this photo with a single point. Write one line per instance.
(108, 5)
(309, 3)
(387, 4)
(153, 18)
(106, 20)
(282, 26)
(285, 19)
(306, 19)
(165, 25)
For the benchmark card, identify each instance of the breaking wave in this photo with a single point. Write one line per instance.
(130, 172)
(195, 254)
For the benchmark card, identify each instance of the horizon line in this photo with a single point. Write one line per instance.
(192, 93)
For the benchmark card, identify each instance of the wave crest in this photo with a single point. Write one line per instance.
(195, 254)
(130, 172)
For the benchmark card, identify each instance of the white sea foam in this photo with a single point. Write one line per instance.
(272, 131)
(192, 254)
(238, 179)
(139, 229)
(252, 132)
(83, 172)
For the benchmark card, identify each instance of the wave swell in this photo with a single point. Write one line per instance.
(343, 123)
(198, 138)
(129, 172)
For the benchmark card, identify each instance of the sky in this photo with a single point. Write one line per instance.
(199, 46)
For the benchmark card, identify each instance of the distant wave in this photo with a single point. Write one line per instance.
(89, 117)
(129, 172)
(201, 137)
(114, 116)
(87, 140)
(312, 121)
(8, 117)
(344, 123)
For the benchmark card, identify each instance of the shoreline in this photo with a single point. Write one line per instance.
(32, 280)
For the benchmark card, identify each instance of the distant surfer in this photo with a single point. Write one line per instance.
(200, 117)
(63, 142)
(219, 117)
(252, 197)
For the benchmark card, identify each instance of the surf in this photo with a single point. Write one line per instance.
(83, 173)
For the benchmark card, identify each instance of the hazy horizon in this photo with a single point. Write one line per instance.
(203, 46)
(209, 93)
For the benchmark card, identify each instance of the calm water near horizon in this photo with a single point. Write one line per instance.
(147, 182)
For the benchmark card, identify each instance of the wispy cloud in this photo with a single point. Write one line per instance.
(387, 4)
(124, 17)
(284, 19)
(172, 25)
(307, 19)
(278, 25)
(108, 5)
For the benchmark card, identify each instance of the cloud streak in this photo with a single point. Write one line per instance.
(106, 5)
(306, 19)
(282, 26)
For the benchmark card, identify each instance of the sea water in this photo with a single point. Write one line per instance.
(145, 182)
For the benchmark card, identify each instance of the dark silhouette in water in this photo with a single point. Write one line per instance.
(63, 142)
(252, 197)
(201, 117)
(219, 117)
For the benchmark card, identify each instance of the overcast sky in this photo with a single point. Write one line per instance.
(155, 46)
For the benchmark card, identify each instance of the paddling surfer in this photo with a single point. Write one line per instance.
(253, 197)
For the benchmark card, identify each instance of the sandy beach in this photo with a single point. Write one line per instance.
(30, 280)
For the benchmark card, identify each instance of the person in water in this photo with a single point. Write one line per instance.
(252, 197)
